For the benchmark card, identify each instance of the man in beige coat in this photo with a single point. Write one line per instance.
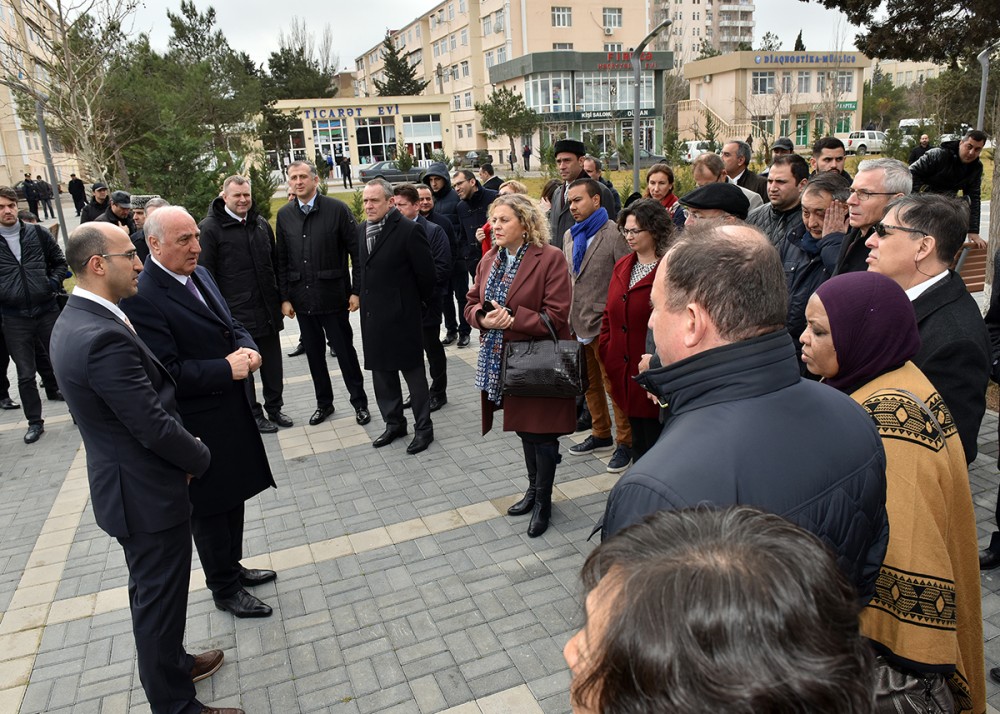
(592, 247)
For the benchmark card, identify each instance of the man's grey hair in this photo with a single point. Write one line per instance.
(302, 162)
(897, 174)
(154, 203)
(235, 179)
(154, 222)
(384, 185)
(744, 150)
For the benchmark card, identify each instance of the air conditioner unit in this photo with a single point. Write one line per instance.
(498, 27)
(609, 31)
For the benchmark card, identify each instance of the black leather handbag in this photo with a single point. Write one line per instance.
(544, 368)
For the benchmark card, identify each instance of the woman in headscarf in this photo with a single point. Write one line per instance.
(925, 620)
(519, 280)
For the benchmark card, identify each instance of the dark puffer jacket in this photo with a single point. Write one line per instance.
(804, 272)
(93, 210)
(741, 427)
(28, 288)
(241, 259)
(942, 171)
(773, 223)
(472, 215)
(446, 200)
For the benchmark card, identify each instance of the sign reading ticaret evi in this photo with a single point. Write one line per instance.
(834, 58)
(335, 113)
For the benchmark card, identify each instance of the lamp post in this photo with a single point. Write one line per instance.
(984, 60)
(43, 135)
(637, 69)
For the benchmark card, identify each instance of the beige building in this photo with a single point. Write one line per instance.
(464, 47)
(905, 73)
(801, 95)
(724, 25)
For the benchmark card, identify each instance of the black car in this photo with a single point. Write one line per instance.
(646, 160)
(389, 171)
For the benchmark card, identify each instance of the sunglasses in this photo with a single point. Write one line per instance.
(882, 229)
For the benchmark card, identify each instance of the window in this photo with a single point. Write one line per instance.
(468, 100)
(696, 16)
(805, 84)
(612, 46)
(802, 130)
(562, 16)
(603, 91)
(501, 54)
(549, 92)
(821, 82)
(613, 17)
(562, 46)
(457, 101)
(460, 136)
(845, 82)
(763, 123)
(465, 36)
(786, 82)
(783, 125)
(376, 139)
(417, 30)
(451, 11)
(465, 68)
(454, 71)
(762, 83)
(489, 58)
(844, 121)
(487, 24)
(422, 134)
(437, 51)
(452, 42)
(468, 130)
(461, 6)
(498, 21)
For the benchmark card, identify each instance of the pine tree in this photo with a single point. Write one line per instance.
(800, 46)
(506, 114)
(400, 76)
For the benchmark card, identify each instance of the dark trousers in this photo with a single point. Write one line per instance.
(347, 181)
(159, 573)
(527, 162)
(79, 202)
(219, 540)
(437, 364)
(389, 396)
(459, 288)
(645, 432)
(20, 334)
(47, 205)
(271, 376)
(33, 205)
(338, 331)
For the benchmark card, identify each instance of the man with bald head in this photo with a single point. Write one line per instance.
(729, 368)
(181, 314)
(140, 458)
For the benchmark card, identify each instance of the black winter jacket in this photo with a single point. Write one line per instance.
(28, 288)
(446, 200)
(741, 427)
(93, 210)
(437, 239)
(773, 223)
(241, 259)
(853, 252)
(942, 171)
(472, 216)
(317, 256)
(128, 223)
(804, 273)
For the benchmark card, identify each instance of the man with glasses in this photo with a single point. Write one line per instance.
(914, 245)
(877, 182)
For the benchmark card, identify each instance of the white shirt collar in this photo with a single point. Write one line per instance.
(309, 203)
(182, 279)
(920, 288)
(103, 302)
(238, 218)
(737, 177)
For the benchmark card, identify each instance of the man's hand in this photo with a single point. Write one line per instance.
(835, 219)
(644, 362)
(255, 358)
(353, 303)
(239, 362)
(287, 310)
(976, 241)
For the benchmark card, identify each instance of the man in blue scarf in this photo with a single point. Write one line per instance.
(592, 246)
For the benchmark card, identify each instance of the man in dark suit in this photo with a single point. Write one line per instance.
(397, 281)
(139, 459)
(914, 245)
(78, 191)
(736, 156)
(180, 313)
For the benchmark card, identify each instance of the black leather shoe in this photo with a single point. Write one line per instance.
(280, 418)
(264, 426)
(388, 436)
(420, 443)
(988, 559)
(362, 416)
(34, 433)
(332, 353)
(463, 341)
(319, 416)
(995, 674)
(299, 350)
(437, 402)
(8, 403)
(243, 604)
(54, 395)
(407, 403)
(449, 338)
(206, 664)
(252, 576)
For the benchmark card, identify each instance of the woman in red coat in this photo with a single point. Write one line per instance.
(648, 230)
(519, 278)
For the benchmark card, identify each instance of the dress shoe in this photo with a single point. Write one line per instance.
(449, 338)
(420, 443)
(319, 416)
(388, 436)
(206, 664)
(264, 426)
(54, 395)
(299, 350)
(34, 433)
(253, 576)
(463, 341)
(988, 559)
(407, 403)
(224, 710)
(280, 418)
(332, 353)
(362, 416)
(437, 402)
(995, 674)
(8, 403)
(243, 604)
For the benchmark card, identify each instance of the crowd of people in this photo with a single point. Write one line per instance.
(784, 367)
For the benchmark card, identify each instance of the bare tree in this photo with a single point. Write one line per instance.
(299, 36)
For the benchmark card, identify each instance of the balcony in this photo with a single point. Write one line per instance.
(736, 23)
(742, 6)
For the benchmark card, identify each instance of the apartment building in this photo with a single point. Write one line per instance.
(724, 25)
(905, 73)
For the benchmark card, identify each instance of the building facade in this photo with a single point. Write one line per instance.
(725, 26)
(904, 73)
(801, 95)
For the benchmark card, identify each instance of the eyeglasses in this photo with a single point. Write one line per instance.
(629, 232)
(864, 195)
(882, 229)
(130, 255)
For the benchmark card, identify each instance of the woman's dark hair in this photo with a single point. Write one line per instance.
(650, 216)
(549, 189)
(734, 610)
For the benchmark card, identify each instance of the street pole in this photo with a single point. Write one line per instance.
(53, 179)
(637, 69)
(984, 60)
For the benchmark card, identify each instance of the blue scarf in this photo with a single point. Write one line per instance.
(491, 341)
(582, 232)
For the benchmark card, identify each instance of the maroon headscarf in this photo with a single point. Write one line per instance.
(872, 324)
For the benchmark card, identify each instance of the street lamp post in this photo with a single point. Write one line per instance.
(637, 69)
(53, 179)
(984, 60)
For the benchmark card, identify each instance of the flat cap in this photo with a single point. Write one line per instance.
(724, 196)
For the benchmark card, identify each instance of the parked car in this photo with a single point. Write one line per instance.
(646, 160)
(865, 142)
(389, 171)
(694, 149)
(473, 159)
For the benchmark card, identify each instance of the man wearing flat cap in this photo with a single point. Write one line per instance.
(569, 163)
(98, 204)
(782, 146)
(119, 212)
(724, 202)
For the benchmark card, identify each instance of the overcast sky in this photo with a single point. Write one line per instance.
(252, 26)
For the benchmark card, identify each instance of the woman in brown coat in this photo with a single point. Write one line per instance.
(521, 277)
